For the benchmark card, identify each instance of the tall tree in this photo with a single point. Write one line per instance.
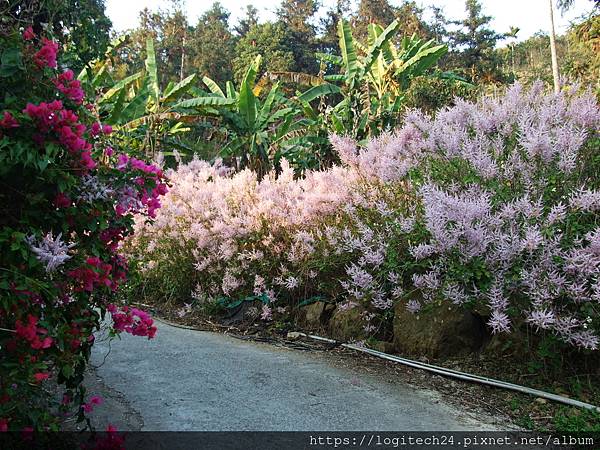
(213, 44)
(268, 40)
(175, 42)
(474, 42)
(563, 5)
(169, 30)
(81, 24)
(245, 24)
(296, 16)
(438, 24)
(371, 11)
(410, 17)
(329, 41)
(131, 57)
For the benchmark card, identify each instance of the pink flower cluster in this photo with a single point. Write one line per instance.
(96, 274)
(475, 186)
(97, 128)
(46, 56)
(95, 400)
(213, 213)
(49, 317)
(132, 320)
(8, 121)
(34, 335)
(130, 200)
(28, 34)
(70, 87)
(52, 117)
(111, 440)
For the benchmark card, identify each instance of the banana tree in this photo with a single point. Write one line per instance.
(371, 80)
(150, 119)
(259, 131)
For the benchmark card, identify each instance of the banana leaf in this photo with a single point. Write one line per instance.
(319, 91)
(199, 102)
(213, 86)
(348, 51)
(179, 89)
(120, 86)
(152, 73)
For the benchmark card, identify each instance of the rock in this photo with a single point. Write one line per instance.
(314, 315)
(439, 332)
(347, 325)
(513, 344)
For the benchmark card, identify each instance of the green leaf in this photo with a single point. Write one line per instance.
(179, 89)
(99, 77)
(231, 92)
(348, 51)
(152, 71)
(136, 108)
(334, 77)
(42, 164)
(422, 60)
(319, 91)
(199, 102)
(383, 38)
(362, 124)
(333, 59)
(212, 86)
(265, 111)
(337, 124)
(120, 86)
(234, 120)
(373, 30)
(10, 62)
(247, 100)
(281, 113)
(117, 108)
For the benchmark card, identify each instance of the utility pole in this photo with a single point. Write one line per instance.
(555, 74)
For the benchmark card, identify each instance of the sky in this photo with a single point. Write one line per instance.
(529, 15)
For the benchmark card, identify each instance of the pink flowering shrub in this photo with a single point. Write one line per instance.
(67, 204)
(230, 235)
(226, 236)
(504, 219)
(509, 213)
(490, 205)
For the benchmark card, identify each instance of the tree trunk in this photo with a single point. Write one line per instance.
(555, 74)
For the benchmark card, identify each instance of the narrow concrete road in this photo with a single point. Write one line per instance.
(190, 380)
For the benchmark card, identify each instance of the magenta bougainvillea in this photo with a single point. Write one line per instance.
(68, 199)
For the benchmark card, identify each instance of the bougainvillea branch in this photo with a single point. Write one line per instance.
(60, 243)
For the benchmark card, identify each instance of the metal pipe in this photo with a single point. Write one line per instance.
(460, 375)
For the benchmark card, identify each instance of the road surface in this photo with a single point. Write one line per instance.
(201, 381)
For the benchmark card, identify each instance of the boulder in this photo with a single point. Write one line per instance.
(348, 325)
(514, 344)
(439, 331)
(314, 315)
